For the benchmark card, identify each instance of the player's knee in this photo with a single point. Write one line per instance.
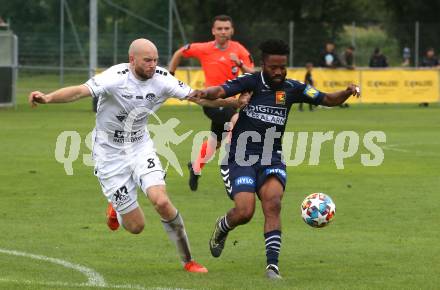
(135, 227)
(273, 206)
(245, 214)
(162, 204)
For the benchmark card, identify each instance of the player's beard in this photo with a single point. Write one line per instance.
(142, 74)
(274, 83)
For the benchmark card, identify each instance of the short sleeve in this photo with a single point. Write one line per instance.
(99, 84)
(243, 83)
(308, 94)
(246, 57)
(193, 50)
(176, 88)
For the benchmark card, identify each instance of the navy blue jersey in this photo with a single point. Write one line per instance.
(266, 112)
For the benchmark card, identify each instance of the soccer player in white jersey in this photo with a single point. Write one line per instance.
(124, 154)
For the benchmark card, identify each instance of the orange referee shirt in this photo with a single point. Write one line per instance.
(216, 63)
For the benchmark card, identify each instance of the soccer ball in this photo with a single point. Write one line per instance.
(318, 210)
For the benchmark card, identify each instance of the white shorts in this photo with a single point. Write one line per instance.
(120, 177)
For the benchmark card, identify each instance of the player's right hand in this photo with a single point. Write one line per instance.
(36, 97)
(196, 95)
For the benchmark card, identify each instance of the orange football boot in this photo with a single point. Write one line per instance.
(112, 220)
(194, 267)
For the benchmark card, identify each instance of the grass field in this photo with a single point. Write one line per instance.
(385, 234)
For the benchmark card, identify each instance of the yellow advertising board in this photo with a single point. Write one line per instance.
(377, 86)
(400, 86)
(334, 80)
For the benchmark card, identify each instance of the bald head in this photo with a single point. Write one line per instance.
(143, 57)
(141, 45)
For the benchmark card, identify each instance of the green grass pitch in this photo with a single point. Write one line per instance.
(385, 234)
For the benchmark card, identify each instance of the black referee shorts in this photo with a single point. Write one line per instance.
(219, 116)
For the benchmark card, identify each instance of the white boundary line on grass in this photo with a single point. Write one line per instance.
(397, 148)
(94, 279)
(81, 285)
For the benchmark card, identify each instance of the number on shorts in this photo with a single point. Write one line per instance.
(151, 163)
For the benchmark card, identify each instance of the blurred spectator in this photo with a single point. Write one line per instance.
(406, 56)
(328, 57)
(430, 60)
(378, 59)
(3, 24)
(308, 80)
(348, 57)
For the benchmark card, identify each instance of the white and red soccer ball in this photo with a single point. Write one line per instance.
(318, 210)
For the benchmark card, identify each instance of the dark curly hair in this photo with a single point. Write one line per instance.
(273, 46)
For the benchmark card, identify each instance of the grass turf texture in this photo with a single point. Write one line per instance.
(385, 234)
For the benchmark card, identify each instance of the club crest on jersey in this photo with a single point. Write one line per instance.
(121, 116)
(280, 97)
(311, 91)
(150, 97)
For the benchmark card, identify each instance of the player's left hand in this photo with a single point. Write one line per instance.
(354, 90)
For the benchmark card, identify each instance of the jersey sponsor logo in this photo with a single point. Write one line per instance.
(280, 97)
(121, 116)
(127, 137)
(276, 171)
(311, 91)
(244, 180)
(267, 114)
(128, 97)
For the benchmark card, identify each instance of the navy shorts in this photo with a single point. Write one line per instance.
(250, 178)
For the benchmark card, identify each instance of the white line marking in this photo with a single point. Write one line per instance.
(394, 147)
(93, 278)
(79, 285)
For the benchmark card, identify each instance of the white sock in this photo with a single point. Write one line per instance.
(176, 232)
(119, 217)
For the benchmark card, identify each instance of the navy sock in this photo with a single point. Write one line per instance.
(224, 227)
(273, 246)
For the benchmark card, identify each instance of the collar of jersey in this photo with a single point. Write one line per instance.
(134, 79)
(263, 81)
(221, 49)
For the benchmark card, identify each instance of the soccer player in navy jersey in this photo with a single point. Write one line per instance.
(254, 164)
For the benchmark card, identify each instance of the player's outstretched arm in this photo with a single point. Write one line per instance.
(64, 95)
(337, 98)
(230, 102)
(210, 93)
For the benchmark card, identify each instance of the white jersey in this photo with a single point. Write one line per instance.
(125, 104)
